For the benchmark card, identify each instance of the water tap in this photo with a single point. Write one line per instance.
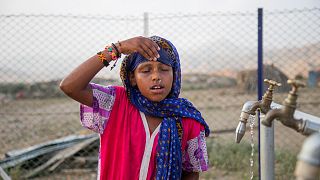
(285, 114)
(250, 107)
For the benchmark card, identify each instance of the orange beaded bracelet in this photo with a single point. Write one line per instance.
(103, 58)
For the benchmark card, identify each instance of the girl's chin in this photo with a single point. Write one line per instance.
(156, 99)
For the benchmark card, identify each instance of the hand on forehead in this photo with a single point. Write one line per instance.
(137, 59)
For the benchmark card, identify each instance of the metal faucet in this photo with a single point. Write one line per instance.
(285, 114)
(250, 107)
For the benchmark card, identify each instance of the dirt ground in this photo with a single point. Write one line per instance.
(29, 122)
(210, 174)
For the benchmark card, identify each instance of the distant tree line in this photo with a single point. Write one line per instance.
(28, 90)
(40, 90)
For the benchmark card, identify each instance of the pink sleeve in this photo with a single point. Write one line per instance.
(96, 117)
(195, 156)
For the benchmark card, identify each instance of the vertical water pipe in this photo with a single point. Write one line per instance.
(265, 134)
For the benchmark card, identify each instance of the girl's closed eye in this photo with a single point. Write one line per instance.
(145, 70)
(165, 69)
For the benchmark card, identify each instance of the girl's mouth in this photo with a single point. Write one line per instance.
(157, 89)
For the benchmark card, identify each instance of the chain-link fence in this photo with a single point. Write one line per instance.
(218, 53)
(292, 44)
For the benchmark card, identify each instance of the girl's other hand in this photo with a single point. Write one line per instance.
(145, 46)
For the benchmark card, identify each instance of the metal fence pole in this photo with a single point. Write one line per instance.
(260, 76)
(146, 24)
(266, 134)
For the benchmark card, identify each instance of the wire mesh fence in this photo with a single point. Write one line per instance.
(218, 53)
(292, 46)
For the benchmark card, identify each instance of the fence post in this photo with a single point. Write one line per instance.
(266, 134)
(146, 24)
(260, 74)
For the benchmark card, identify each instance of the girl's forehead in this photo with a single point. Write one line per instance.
(151, 63)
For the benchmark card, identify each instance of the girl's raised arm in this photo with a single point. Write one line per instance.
(76, 84)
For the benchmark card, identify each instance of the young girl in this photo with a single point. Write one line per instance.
(146, 130)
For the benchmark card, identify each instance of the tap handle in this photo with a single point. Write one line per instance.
(295, 84)
(272, 83)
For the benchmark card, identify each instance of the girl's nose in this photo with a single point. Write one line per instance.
(156, 76)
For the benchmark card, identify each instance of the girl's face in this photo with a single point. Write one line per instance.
(154, 80)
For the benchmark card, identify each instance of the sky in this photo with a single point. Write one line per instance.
(127, 7)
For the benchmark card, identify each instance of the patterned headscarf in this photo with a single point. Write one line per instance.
(171, 109)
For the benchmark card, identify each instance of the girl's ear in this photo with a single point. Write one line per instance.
(133, 81)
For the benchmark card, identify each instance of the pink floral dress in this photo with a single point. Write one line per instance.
(127, 148)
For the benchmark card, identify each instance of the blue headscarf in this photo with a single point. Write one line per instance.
(172, 109)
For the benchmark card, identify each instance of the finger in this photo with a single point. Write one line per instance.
(152, 52)
(147, 51)
(154, 44)
(153, 47)
(143, 51)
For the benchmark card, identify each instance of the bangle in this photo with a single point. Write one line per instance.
(103, 59)
(112, 52)
(117, 51)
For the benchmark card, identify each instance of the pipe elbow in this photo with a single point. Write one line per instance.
(270, 116)
(308, 165)
(310, 151)
(250, 107)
